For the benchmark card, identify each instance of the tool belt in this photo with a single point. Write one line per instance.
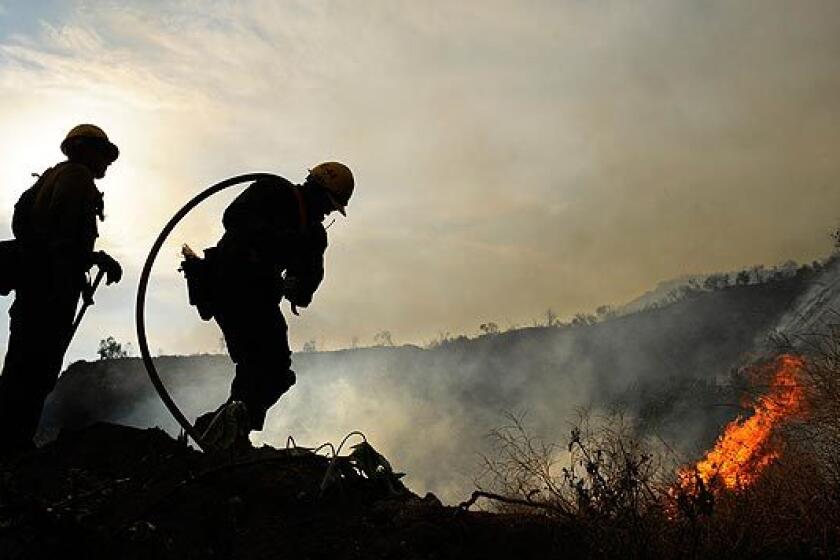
(201, 281)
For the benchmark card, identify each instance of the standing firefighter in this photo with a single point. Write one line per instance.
(273, 247)
(55, 227)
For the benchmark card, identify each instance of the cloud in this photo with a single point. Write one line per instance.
(509, 158)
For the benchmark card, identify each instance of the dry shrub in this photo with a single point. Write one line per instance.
(605, 484)
(820, 435)
(619, 493)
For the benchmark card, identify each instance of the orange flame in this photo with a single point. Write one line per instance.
(746, 446)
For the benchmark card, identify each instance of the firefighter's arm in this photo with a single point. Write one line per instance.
(75, 204)
(306, 272)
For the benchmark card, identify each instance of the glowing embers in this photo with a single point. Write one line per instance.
(748, 446)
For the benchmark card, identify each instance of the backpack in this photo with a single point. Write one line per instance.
(21, 217)
(13, 261)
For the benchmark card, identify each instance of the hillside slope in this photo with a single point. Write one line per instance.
(667, 366)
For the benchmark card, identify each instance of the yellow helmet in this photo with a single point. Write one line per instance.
(337, 180)
(87, 133)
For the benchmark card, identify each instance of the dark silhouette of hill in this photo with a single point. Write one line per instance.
(670, 367)
(111, 491)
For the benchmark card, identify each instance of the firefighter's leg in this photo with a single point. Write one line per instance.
(33, 361)
(14, 392)
(263, 371)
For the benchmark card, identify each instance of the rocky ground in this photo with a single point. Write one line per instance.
(110, 491)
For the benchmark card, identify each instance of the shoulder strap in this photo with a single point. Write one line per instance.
(302, 214)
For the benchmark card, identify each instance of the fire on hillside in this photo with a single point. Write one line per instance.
(749, 445)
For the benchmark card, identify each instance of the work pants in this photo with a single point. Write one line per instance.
(38, 336)
(257, 340)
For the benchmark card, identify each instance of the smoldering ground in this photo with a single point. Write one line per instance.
(429, 410)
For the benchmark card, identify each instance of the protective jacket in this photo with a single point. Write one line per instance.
(268, 230)
(56, 222)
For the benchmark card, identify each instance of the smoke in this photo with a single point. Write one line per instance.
(429, 410)
(671, 369)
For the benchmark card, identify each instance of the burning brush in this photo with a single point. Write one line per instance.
(749, 445)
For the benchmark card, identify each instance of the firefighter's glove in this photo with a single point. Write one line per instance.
(291, 291)
(108, 265)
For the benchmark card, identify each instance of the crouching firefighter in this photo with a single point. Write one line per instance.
(55, 228)
(273, 247)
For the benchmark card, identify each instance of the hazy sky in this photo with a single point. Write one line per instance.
(510, 156)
